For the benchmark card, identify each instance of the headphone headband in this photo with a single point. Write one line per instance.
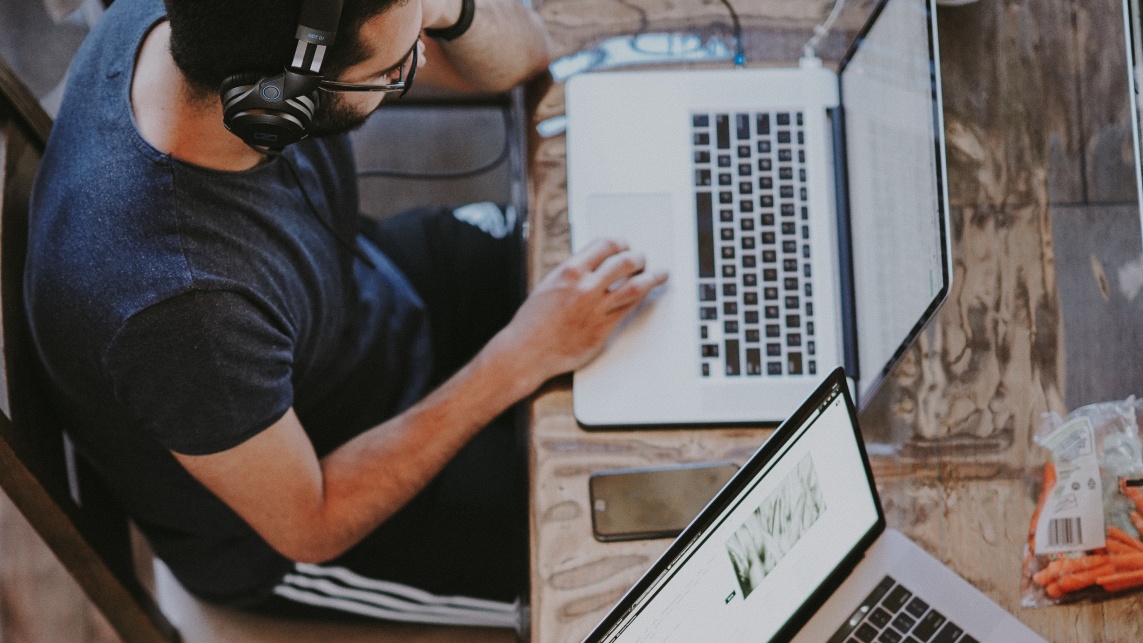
(316, 31)
(274, 111)
(320, 16)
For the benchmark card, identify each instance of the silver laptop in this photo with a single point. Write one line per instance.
(802, 215)
(795, 548)
(1134, 31)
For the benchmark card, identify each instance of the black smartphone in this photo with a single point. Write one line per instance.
(632, 504)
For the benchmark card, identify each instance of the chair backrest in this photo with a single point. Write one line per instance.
(56, 492)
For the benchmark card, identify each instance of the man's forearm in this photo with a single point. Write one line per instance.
(506, 44)
(311, 510)
(368, 479)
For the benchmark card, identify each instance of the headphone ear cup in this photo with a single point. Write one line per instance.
(236, 85)
(253, 110)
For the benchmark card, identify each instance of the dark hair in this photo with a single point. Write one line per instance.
(214, 39)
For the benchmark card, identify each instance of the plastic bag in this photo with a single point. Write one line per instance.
(1085, 541)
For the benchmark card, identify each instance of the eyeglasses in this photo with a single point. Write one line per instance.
(407, 67)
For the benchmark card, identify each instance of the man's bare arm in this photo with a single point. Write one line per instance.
(312, 510)
(506, 44)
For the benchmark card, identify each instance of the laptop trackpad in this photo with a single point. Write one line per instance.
(644, 221)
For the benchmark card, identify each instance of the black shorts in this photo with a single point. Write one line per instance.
(458, 552)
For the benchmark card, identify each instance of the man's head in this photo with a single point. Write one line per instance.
(214, 39)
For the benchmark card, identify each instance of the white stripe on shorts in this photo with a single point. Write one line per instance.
(341, 589)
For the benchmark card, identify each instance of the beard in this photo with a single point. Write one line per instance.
(334, 116)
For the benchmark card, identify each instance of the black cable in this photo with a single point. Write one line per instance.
(505, 149)
(345, 243)
(739, 50)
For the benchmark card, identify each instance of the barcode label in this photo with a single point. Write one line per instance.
(1064, 531)
(1077, 493)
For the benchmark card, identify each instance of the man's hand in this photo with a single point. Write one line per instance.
(568, 318)
(313, 510)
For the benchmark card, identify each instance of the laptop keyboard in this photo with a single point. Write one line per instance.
(892, 614)
(756, 310)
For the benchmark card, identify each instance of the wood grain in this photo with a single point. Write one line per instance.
(577, 24)
(1101, 278)
(576, 579)
(1028, 89)
(1106, 106)
(774, 31)
(978, 528)
(991, 363)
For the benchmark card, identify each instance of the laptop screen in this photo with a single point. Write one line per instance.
(796, 516)
(1134, 36)
(895, 162)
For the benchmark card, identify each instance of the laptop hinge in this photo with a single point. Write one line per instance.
(836, 116)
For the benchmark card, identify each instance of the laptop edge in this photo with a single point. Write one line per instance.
(746, 475)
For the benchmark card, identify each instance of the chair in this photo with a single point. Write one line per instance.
(62, 498)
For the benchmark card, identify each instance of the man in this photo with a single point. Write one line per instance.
(293, 415)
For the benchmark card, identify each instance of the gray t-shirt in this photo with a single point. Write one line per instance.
(178, 308)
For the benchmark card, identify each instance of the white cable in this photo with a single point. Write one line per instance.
(810, 50)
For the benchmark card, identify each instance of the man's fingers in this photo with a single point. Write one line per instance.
(616, 268)
(633, 290)
(590, 258)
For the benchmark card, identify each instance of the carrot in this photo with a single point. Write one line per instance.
(1127, 562)
(1044, 577)
(1061, 567)
(1053, 590)
(1045, 489)
(1123, 537)
(1119, 587)
(1082, 563)
(1121, 581)
(1028, 553)
(1080, 580)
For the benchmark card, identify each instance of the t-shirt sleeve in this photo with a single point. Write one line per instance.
(203, 371)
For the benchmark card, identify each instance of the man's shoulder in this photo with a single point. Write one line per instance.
(95, 164)
(92, 210)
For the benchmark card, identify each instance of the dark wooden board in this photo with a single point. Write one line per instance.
(1101, 294)
(1109, 154)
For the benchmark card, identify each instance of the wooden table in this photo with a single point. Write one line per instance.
(1045, 220)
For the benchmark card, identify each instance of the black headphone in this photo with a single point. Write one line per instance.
(274, 111)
